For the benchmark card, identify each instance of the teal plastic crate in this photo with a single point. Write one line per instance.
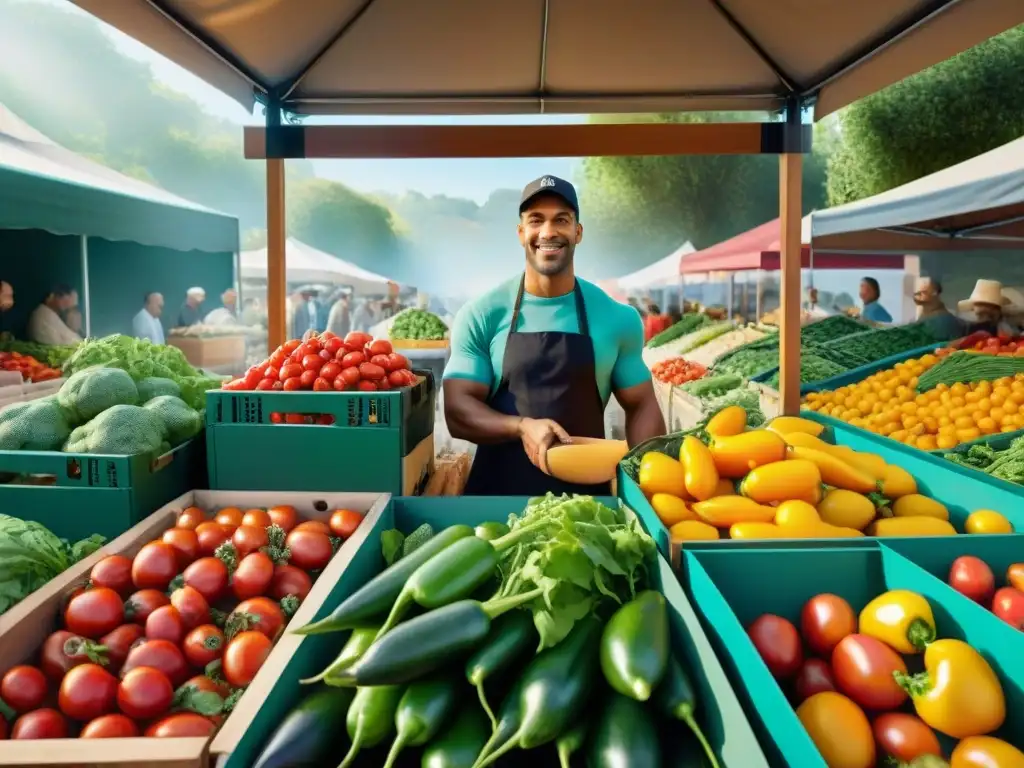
(720, 586)
(363, 450)
(721, 715)
(78, 494)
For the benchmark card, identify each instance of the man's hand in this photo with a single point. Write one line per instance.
(538, 435)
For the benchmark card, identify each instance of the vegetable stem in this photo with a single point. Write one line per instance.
(502, 543)
(482, 695)
(686, 715)
(920, 633)
(494, 608)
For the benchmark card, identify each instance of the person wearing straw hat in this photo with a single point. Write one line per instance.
(989, 304)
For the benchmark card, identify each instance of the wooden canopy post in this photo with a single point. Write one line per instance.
(276, 236)
(790, 210)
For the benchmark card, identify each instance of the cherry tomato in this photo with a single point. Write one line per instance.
(267, 383)
(357, 339)
(312, 345)
(863, 668)
(208, 576)
(204, 684)
(249, 538)
(312, 362)
(333, 344)
(192, 607)
(971, 577)
(271, 372)
(382, 360)
(253, 575)
(190, 518)
(154, 566)
(778, 642)
(343, 522)
(110, 727)
(290, 371)
(904, 737)
(839, 729)
(322, 385)
(397, 379)
(23, 688)
(1015, 576)
(165, 624)
(350, 376)
(824, 621)
(113, 572)
(380, 347)
(311, 550)
(352, 360)
(211, 536)
(252, 376)
(307, 378)
(94, 612)
(289, 580)
(371, 372)
(257, 518)
(64, 650)
(290, 346)
(40, 724)
(138, 606)
(86, 692)
(181, 725)
(185, 543)
(1008, 605)
(144, 693)
(244, 656)
(158, 654)
(366, 386)
(383, 385)
(330, 371)
(284, 516)
(262, 615)
(277, 359)
(229, 517)
(203, 645)
(293, 384)
(814, 676)
(118, 644)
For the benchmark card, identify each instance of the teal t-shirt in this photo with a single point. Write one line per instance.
(481, 328)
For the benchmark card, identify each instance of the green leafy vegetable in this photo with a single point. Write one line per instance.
(391, 545)
(417, 324)
(688, 324)
(417, 539)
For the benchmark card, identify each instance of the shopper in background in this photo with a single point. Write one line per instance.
(988, 302)
(73, 320)
(870, 293)
(943, 323)
(339, 320)
(189, 314)
(6, 304)
(308, 314)
(295, 303)
(252, 313)
(146, 323)
(227, 313)
(46, 324)
(814, 310)
(362, 317)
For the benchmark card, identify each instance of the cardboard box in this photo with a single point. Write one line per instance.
(209, 352)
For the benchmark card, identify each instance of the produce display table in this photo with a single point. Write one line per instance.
(212, 351)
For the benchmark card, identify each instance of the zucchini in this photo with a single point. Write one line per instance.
(459, 744)
(635, 646)
(309, 733)
(624, 735)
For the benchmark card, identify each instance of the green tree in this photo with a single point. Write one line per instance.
(944, 115)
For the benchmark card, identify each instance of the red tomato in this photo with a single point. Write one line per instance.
(181, 725)
(904, 737)
(138, 607)
(165, 624)
(397, 362)
(824, 621)
(252, 376)
(398, 379)
(185, 544)
(312, 362)
(229, 517)
(971, 577)
(249, 538)
(211, 536)
(158, 654)
(366, 386)
(277, 359)
(272, 372)
(253, 576)
(289, 580)
(353, 360)
(290, 346)
(204, 684)
(40, 724)
(144, 693)
(113, 572)
(190, 518)
(119, 643)
(293, 384)
(380, 347)
(333, 344)
(371, 372)
(154, 566)
(339, 384)
(256, 517)
(312, 345)
(284, 516)
(294, 418)
(314, 525)
(310, 550)
(94, 612)
(1008, 605)
(778, 642)
(208, 576)
(384, 361)
(344, 522)
(357, 339)
(244, 656)
(383, 385)
(23, 688)
(307, 378)
(330, 371)
(863, 668)
(191, 606)
(267, 383)
(260, 614)
(814, 676)
(322, 385)
(110, 727)
(326, 356)
(234, 385)
(203, 645)
(350, 375)
(86, 692)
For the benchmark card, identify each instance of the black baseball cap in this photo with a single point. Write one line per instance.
(550, 185)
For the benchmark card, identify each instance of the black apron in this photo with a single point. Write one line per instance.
(545, 375)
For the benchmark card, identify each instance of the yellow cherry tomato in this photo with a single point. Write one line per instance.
(729, 421)
(987, 521)
(847, 509)
(986, 752)
(916, 505)
(670, 509)
(839, 729)
(736, 455)
(692, 530)
(700, 475)
(661, 474)
(783, 480)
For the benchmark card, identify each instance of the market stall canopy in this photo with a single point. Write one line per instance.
(758, 248)
(661, 273)
(311, 265)
(45, 186)
(568, 56)
(976, 204)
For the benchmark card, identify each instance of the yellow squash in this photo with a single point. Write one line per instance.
(736, 455)
(916, 505)
(783, 480)
(869, 463)
(987, 521)
(701, 477)
(724, 511)
(897, 482)
(835, 471)
(958, 694)
(986, 752)
(847, 509)
(800, 520)
(901, 619)
(725, 487)
(670, 509)
(911, 526)
(692, 530)
(756, 531)
(727, 422)
(661, 474)
(783, 425)
(804, 440)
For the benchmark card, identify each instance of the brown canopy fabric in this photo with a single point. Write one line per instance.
(567, 56)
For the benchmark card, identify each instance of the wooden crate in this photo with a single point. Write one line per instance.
(420, 343)
(26, 626)
(212, 351)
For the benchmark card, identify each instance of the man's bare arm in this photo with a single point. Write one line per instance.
(643, 415)
(470, 418)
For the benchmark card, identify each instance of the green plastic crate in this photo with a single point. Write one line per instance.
(720, 586)
(725, 725)
(86, 494)
(363, 450)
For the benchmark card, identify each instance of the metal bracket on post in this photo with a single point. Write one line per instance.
(789, 135)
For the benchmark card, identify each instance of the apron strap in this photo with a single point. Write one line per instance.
(518, 304)
(581, 309)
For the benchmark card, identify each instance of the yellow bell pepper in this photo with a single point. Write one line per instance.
(916, 505)
(986, 752)
(723, 511)
(670, 509)
(662, 474)
(835, 471)
(729, 421)
(910, 526)
(783, 480)
(783, 425)
(897, 482)
(736, 455)
(901, 619)
(958, 694)
(847, 509)
(701, 477)
(692, 530)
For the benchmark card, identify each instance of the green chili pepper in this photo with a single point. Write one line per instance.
(491, 531)
(675, 697)
(371, 718)
(571, 742)
(425, 707)
(624, 735)
(308, 733)
(358, 643)
(511, 638)
(635, 646)
(459, 744)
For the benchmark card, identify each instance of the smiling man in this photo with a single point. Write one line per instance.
(535, 360)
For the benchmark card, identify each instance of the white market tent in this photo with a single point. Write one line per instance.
(661, 274)
(307, 264)
(976, 204)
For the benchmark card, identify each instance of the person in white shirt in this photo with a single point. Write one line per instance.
(146, 324)
(224, 315)
(814, 310)
(45, 325)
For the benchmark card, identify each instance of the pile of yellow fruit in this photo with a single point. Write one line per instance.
(886, 403)
(785, 482)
